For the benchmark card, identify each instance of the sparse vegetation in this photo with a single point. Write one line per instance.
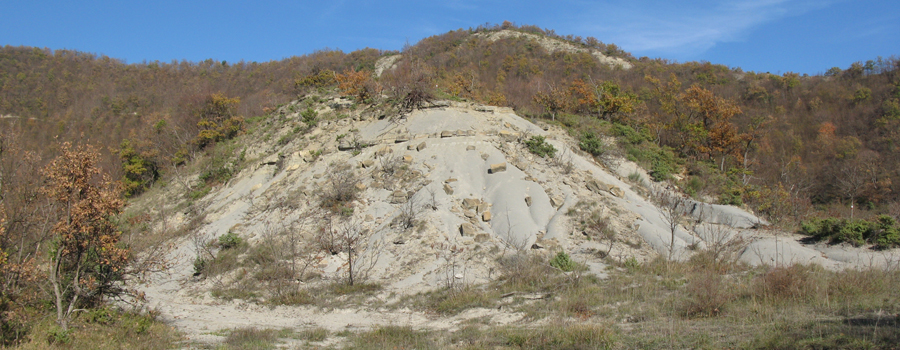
(538, 146)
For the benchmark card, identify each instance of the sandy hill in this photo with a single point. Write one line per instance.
(439, 195)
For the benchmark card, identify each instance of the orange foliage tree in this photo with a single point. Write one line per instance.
(358, 84)
(86, 260)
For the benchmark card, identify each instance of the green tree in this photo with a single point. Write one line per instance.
(140, 168)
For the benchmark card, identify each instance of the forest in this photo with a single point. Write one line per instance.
(790, 147)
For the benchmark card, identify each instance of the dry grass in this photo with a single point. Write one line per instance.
(103, 329)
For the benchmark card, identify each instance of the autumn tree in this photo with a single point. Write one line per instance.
(218, 120)
(358, 84)
(86, 261)
(605, 99)
(554, 100)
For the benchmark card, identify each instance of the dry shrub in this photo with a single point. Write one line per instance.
(795, 282)
(526, 272)
(343, 190)
(708, 295)
(866, 289)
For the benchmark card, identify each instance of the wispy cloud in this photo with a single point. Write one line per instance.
(680, 26)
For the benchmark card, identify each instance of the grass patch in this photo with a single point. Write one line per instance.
(103, 328)
(251, 338)
(313, 334)
(393, 337)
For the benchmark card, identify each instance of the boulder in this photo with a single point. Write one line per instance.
(446, 133)
(528, 201)
(368, 163)
(467, 229)
(421, 146)
(345, 145)
(470, 214)
(470, 148)
(447, 189)
(486, 216)
(482, 237)
(556, 201)
(597, 186)
(616, 191)
(496, 168)
(407, 159)
(401, 138)
(360, 186)
(509, 136)
(470, 203)
(398, 197)
(383, 150)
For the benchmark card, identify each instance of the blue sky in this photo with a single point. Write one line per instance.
(764, 35)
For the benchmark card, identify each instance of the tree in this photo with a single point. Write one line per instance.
(86, 260)
(218, 120)
(139, 167)
(553, 101)
(358, 84)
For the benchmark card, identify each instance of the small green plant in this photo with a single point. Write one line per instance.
(539, 146)
(229, 240)
(200, 265)
(632, 265)
(58, 335)
(310, 117)
(563, 262)
(592, 144)
(635, 177)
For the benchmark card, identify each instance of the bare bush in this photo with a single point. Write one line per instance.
(390, 163)
(349, 237)
(598, 228)
(409, 213)
(672, 207)
(563, 161)
(410, 84)
(724, 245)
(342, 180)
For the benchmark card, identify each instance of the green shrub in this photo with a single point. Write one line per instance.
(883, 232)
(563, 262)
(200, 265)
(538, 146)
(592, 144)
(229, 240)
(630, 135)
(310, 117)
